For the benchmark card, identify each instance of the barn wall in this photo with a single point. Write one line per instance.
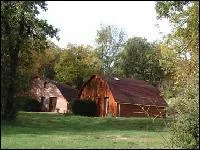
(98, 88)
(37, 91)
(128, 110)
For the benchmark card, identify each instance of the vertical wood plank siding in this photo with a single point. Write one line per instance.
(98, 88)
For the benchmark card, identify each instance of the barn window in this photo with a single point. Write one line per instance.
(116, 78)
(45, 84)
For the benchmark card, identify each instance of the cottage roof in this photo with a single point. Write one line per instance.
(67, 91)
(132, 91)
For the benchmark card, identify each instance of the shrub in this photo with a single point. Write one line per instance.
(185, 127)
(27, 104)
(84, 107)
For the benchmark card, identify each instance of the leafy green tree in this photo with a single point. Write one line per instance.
(48, 61)
(22, 32)
(140, 59)
(184, 41)
(167, 61)
(33, 63)
(110, 40)
(76, 64)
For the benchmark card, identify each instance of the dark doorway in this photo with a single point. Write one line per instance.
(106, 106)
(52, 103)
(42, 105)
(99, 111)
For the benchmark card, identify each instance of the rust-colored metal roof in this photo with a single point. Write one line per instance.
(135, 92)
(132, 91)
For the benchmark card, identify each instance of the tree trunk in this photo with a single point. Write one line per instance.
(10, 110)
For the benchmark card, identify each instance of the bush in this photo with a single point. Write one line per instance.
(84, 107)
(27, 104)
(185, 127)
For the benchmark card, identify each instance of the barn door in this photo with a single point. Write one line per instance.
(99, 111)
(52, 103)
(106, 104)
(42, 104)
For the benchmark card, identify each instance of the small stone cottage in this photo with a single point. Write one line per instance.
(54, 97)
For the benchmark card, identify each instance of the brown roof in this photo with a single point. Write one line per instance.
(133, 91)
(67, 91)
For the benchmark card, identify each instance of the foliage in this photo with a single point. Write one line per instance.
(44, 62)
(22, 32)
(27, 104)
(84, 107)
(185, 128)
(110, 40)
(76, 64)
(184, 41)
(168, 64)
(140, 59)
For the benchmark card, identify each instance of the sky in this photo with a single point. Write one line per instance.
(78, 21)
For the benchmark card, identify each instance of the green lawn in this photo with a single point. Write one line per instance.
(39, 130)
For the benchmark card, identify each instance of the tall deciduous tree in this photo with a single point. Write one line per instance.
(184, 40)
(76, 64)
(140, 59)
(21, 32)
(110, 40)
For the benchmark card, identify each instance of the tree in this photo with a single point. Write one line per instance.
(168, 64)
(184, 40)
(48, 60)
(110, 40)
(76, 64)
(140, 59)
(33, 63)
(22, 32)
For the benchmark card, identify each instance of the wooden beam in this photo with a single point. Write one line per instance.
(119, 109)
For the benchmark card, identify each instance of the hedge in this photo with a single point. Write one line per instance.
(27, 104)
(84, 107)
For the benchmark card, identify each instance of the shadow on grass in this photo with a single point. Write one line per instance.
(38, 123)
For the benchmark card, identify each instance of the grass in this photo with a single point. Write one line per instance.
(39, 130)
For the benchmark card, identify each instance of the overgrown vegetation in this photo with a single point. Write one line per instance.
(84, 107)
(27, 104)
(184, 82)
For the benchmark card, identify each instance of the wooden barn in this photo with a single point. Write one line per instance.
(123, 97)
(54, 97)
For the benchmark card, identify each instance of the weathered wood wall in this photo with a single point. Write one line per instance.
(99, 89)
(128, 110)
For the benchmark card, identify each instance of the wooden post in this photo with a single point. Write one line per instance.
(118, 109)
